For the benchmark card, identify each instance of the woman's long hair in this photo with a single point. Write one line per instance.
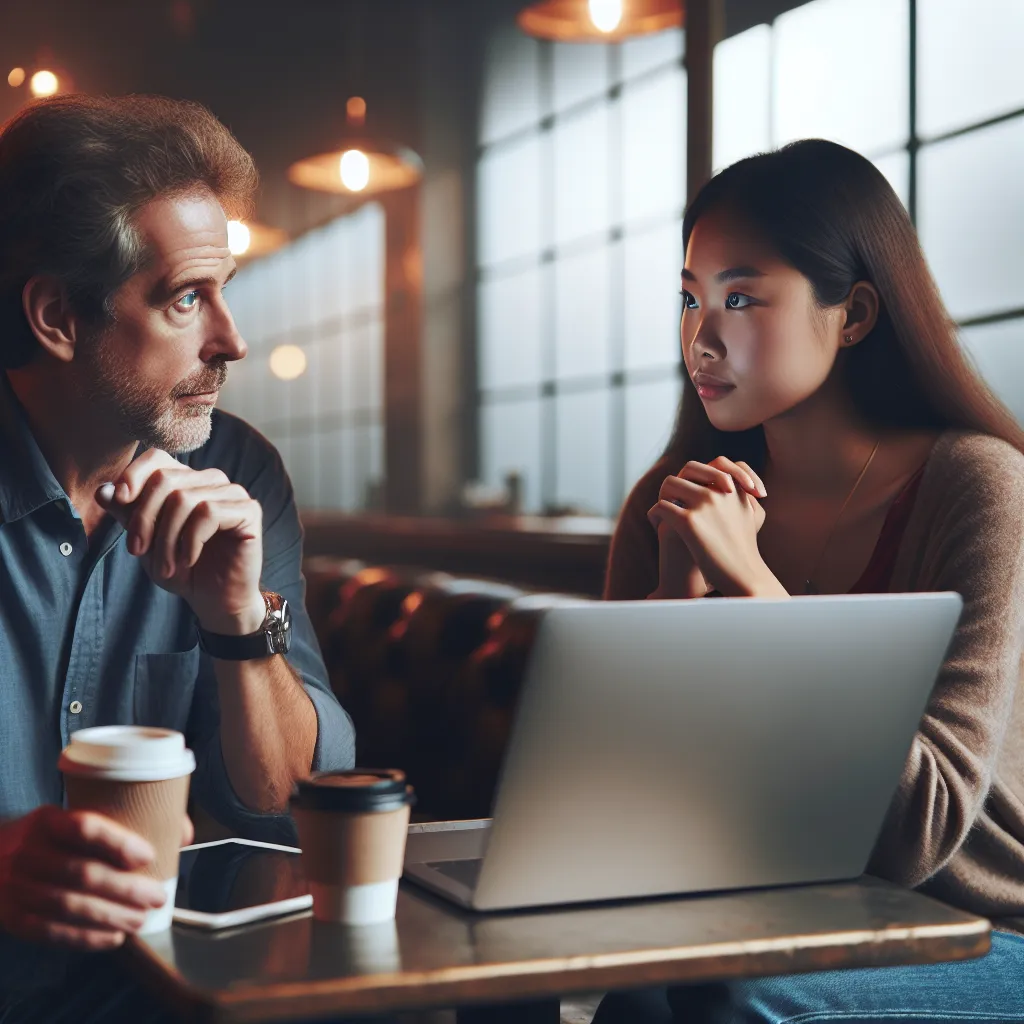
(831, 214)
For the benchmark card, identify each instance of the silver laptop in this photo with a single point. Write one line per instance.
(686, 746)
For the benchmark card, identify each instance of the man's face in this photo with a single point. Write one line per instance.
(157, 370)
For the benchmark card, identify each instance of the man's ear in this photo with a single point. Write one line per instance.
(56, 327)
(861, 306)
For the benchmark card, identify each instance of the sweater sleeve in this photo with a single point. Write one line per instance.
(974, 546)
(633, 560)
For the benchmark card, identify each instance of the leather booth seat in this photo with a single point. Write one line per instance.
(429, 667)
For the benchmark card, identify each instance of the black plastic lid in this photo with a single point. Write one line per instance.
(361, 789)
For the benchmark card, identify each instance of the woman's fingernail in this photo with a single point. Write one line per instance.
(105, 493)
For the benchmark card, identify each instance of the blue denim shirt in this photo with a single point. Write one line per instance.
(86, 638)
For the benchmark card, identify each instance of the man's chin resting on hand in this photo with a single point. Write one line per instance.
(150, 544)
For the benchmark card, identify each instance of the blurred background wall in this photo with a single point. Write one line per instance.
(511, 321)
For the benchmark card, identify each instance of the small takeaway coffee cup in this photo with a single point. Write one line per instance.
(352, 829)
(139, 777)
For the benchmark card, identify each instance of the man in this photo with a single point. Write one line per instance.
(149, 546)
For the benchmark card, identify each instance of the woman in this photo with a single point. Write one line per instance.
(833, 439)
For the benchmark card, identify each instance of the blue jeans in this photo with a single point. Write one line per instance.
(989, 989)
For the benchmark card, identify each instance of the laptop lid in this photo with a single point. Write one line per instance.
(668, 747)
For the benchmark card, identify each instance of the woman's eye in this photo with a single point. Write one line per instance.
(187, 302)
(737, 300)
(689, 302)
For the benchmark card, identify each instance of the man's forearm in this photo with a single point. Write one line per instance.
(268, 730)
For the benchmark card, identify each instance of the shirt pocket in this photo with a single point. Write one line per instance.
(165, 684)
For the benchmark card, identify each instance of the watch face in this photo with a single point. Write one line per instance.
(279, 629)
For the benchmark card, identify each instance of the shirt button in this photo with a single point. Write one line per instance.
(75, 707)
(66, 549)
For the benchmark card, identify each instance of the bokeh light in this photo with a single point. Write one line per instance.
(44, 83)
(355, 170)
(16, 77)
(605, 14)
(239, 238)
(287, 362)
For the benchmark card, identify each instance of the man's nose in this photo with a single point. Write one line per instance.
(224, 340)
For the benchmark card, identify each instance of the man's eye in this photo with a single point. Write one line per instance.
(689, 302)
(737, 300)
(187, 302)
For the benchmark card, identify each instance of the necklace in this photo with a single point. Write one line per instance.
(809, 587)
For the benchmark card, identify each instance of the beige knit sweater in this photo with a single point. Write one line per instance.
(956, 825)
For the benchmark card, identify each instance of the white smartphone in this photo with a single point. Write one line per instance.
(234, 881)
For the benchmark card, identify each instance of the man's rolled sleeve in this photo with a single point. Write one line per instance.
(261, 472)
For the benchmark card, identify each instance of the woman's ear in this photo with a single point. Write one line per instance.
(861, 307)
(49, 314)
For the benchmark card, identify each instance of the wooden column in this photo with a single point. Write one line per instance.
(403, 363)
(705, 24)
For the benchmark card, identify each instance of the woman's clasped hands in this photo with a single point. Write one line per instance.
(707, 518)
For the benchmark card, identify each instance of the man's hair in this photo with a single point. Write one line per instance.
(75, 171)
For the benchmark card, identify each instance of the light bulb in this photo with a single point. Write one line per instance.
(44, 83)
(355, 170)
(605, 14)
(239, 238)
(287, 362)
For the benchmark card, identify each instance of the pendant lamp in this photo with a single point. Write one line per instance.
(598, 21)
(362, 165)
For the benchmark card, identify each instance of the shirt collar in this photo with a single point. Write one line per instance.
(26, 480)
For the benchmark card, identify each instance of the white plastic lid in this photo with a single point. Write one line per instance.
(131, 753)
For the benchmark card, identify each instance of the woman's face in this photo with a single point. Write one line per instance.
(755, 342)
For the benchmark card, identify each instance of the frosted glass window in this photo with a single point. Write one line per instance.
(510, 330)
(582, 155)
(366, 263)
(509, 205)
(896, 168)
(997, 351)
(275, 307)
(582, 314)
(971, 208)
(742, 109)
(511, 90)
(299, 283)
(580, 73)
(333, 385)
(842, 72)
(582, 446)
(330, 485)
(970, 65)
(645, 53)
(654, 146)
(302, 468)
(510, 442)
(650, 416)
(374, 336)
(653, 305)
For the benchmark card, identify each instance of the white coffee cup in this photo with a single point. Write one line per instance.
(139, 777)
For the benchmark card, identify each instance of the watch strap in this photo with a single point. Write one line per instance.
(273, 636)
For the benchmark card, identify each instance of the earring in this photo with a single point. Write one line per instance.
(848, 339)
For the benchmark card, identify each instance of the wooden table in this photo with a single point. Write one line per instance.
(435, 955)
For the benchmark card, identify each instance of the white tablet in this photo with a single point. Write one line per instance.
(235, 881)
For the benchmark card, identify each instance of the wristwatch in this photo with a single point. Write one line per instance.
(273, 637)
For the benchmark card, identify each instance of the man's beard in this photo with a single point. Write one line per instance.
(152, 417)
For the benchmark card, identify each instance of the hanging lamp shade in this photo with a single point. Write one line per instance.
(363, 165)
(598, 21)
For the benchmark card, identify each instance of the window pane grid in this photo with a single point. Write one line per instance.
(620, 367)
(324, 294)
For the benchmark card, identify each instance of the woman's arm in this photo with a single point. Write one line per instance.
(973, 544)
